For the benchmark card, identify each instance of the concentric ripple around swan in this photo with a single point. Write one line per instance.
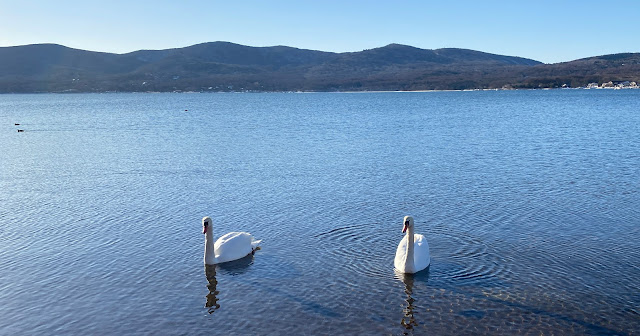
(354, 245)
(462, 258)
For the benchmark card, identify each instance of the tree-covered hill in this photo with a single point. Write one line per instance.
(224, 66)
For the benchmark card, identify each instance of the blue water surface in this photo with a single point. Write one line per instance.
(530, 201)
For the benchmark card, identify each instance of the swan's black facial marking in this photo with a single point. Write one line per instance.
(204, 226)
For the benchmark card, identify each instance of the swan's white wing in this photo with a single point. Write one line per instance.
(421, 256)
(232, 246)
(401, 255)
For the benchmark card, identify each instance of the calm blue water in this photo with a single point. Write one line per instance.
(530, 201)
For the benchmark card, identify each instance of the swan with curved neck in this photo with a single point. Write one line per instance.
(412, 255)
(229, 247)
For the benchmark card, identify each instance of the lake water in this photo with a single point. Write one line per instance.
(530, 201)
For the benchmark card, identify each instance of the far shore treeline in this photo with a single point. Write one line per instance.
(224, 67)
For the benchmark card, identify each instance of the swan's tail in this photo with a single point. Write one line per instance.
(255, 243)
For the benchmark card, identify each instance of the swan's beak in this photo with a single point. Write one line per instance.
(204, 229)
(406, 226)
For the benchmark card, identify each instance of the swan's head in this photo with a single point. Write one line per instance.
(206, 223)
(407, 223)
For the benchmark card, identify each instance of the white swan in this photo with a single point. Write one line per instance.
(412, 254)
(231, 246)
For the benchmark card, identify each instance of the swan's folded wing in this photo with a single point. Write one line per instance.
(232, 246)
(422, 257)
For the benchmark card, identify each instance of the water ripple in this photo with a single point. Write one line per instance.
(529, 201)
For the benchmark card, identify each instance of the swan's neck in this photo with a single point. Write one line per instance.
(409, 262)
(209, 253)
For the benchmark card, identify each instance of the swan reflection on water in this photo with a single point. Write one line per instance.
(212, 297)
(235, 267)
(408, 319)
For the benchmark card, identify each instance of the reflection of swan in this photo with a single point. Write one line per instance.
(412, 254)
(237, 266)
(408, 320)
(231, 246)
(234, 267)
(410, 280)
(212, 299)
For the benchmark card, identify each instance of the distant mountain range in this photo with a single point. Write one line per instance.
(224, 66)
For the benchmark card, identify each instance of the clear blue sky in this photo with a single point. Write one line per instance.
(548, 31)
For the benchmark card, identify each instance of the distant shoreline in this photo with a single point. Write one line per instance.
(298, 92)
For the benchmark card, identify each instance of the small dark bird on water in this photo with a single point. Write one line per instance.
(20, 130)
(17, 124)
